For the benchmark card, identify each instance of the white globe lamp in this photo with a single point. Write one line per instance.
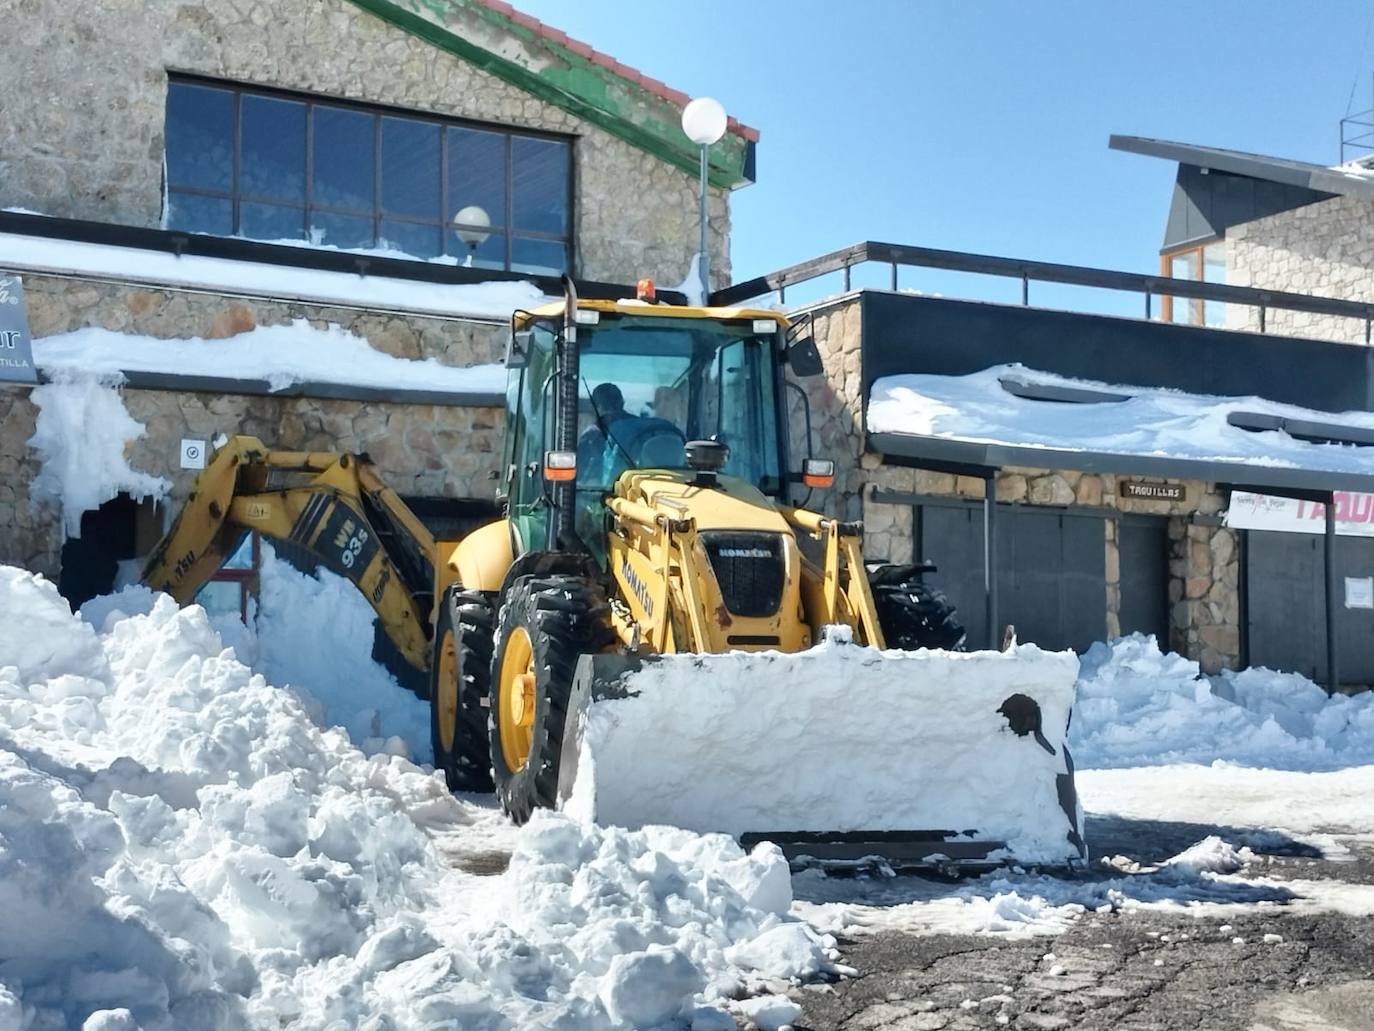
(471, 224)
(704, 122)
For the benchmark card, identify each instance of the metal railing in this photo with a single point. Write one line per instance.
(1151, 286)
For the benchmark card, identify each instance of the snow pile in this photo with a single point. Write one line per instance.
(493, 300)
(740, 721)
(282, 355)
(336, 668)
(1137, 706)
(1210, 855)
(180, 841)
(80, 436)
(1151, 421)
(339, 682)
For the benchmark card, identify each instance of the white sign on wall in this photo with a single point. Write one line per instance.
(192, 454)
(1354, 514)
(16, 348)
(1359, 592)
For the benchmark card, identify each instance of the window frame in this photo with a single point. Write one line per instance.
(1196, 305)
(378, 213)
(246, 578)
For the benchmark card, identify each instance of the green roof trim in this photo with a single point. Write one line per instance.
(565, 77)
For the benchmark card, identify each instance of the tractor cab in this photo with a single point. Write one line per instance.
(651, 378)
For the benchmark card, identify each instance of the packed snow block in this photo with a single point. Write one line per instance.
(838, 739)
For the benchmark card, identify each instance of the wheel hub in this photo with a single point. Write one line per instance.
(446, 692)
(517, 689)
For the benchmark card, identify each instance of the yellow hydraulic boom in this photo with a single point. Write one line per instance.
(332, 505)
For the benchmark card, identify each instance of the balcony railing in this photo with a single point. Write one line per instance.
(1150, 287)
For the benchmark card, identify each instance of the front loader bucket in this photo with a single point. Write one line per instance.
(840, 753)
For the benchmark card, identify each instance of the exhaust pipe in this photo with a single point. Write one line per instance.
(567, 375)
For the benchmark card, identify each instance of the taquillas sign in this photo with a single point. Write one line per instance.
(16, 348)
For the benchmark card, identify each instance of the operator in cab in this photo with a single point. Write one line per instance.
(608, 405)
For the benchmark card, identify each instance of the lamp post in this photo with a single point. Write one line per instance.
(471, 224)
(703, 120)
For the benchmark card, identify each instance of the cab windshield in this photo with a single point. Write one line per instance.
(650, 384)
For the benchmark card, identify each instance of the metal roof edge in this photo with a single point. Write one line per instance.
(135, 379)
(943, 449)
(1287, 171)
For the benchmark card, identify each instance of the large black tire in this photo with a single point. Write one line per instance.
(912, 614)
(460, 675)
(558, 618)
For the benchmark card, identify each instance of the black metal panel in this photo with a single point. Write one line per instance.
(904, 333)
(1206, 204)
(1050, 570)
(1143, 549)
(1285, 606)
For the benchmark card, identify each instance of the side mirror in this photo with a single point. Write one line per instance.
(804, 357)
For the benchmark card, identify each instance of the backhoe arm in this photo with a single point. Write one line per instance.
(331, 505)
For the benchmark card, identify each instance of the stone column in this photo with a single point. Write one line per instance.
(1204, 568)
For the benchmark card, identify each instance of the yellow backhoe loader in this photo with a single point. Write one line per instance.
(653, 633)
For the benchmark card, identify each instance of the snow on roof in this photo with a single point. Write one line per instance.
(281, 355)
(495, 300)
(1149, 423)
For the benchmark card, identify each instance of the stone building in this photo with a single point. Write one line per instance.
(1267, 223)
(1080, 475)
(195, 172)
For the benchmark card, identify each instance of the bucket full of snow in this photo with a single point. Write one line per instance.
(839, 753)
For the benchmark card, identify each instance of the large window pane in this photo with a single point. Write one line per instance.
(197, 214)
(272, 149)
(271, 221)
(541, 257)
(476, 173)
(410, 168)
(420, 241)
(344, 158)
(488, 253)
(199, 137)
(1185, 266)
(272, 167)
(539, 198)
(351, 231)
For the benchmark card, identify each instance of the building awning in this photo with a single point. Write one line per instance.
(1010, 415)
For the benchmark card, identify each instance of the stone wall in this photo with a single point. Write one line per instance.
(27, 538)
(419, 449)
(85, 82)
(59, 304)
(1204, 561)
(1324, 249)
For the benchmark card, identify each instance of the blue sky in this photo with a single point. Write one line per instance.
(982, 125)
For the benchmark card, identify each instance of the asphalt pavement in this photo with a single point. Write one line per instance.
(1128, 969)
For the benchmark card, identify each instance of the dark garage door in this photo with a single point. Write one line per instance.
(1285, 605)
(1050, 576)
(1143, 547)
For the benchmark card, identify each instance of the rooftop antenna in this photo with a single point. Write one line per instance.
(1357, 132)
